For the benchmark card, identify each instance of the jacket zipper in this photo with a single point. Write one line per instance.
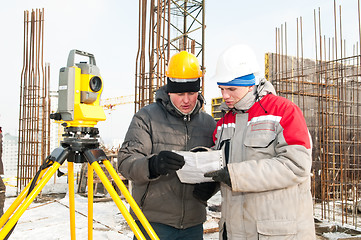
(183, 187)
(183, 203)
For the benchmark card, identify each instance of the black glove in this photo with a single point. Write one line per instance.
(220, 176)
(165, 162)
(204, 191)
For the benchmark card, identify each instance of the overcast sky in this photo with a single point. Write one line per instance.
(109, 30)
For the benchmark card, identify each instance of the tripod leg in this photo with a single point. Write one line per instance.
(90, 202)
(117, 201)
(130, 200)
(18, 201)
(28, 200)
(71, 199)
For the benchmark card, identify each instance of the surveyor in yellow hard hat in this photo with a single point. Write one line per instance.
(174, 122)
(183, 73)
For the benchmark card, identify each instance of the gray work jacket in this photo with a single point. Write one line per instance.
(156, 127)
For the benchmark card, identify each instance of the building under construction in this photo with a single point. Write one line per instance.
(328, 90)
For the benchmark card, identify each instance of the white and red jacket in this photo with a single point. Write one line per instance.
(268, 150)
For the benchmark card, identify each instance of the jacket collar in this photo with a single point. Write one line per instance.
(259, 91)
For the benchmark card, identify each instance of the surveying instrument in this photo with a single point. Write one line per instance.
(80, 87)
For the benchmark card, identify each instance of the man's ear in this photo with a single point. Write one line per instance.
(251, 88)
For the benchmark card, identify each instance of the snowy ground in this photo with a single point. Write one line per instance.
(49, 219)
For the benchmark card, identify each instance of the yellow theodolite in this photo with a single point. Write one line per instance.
(80, 87)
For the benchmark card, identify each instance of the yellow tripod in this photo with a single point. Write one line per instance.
(80, 145)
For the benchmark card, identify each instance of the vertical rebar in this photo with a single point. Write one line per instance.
(329, 87)
(34, 125)
(171, 26)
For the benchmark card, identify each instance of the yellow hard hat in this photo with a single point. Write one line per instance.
(183, 65)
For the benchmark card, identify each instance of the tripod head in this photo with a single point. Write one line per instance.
(79, 139)
(81, 132)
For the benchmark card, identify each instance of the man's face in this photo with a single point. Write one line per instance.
(185, 102)
(233, 94)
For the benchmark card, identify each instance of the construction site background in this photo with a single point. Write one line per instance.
(327, 89)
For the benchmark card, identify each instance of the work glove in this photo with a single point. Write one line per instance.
(221, 175)
(164, 163)
(204, 191)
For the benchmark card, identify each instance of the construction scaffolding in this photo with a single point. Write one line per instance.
(34, 121)
(172, 26)
(328, 90)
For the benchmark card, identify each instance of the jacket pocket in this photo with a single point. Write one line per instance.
(259, 139)
(276, 229)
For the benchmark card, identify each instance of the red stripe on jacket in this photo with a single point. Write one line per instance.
(293, 122)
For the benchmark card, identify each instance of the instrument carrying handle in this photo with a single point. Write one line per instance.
(71, 58)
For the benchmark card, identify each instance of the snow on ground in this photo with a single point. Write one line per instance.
(333, 229)
(49, 219)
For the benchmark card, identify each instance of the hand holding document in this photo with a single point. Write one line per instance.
(198, 163)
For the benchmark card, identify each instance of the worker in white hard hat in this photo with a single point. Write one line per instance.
(175, 121)
(265, 183)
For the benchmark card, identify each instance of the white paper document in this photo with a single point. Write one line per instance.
(197, 164)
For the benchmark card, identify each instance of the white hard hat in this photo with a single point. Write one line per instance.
(235, 62)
